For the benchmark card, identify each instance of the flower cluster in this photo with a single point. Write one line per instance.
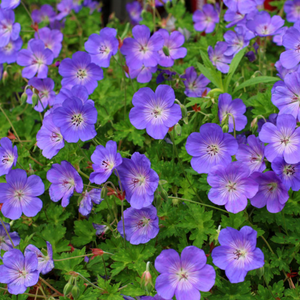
(121, 192)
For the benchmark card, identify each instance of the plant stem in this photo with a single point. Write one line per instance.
(67, 258)
(269, 287)
(87, 281)
(7, 232)
(83, 174)
(51, 287)
(32, 295)
(203, 204)
(233, 121)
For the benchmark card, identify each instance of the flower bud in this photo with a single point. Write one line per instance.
(225, 128)
(260, 272)
(175, 201)
(164, 195)
(57, 63)
(183, 111)
(146, 278)
(103, 192)
(75, 292)
(178, 129)
(68, 287)
(35, 99)
(23, 98)
(4, 76)
(166, 51)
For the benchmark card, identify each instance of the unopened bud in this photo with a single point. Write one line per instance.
(57, 63)
(23, 98)
(164, 195)
(178, 129)
(254, 124)
(68, 288)
(175, 201)
(183, 111)
(35, 99)
(225, 128)
(31, 171)
(103, 193)
(260, 272)
(75, 292)
(166, 51)
(146, 279)
(4, 76)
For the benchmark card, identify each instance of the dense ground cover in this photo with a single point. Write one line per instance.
(156, 159)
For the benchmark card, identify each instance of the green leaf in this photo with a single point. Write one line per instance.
(85, 232)
(256, 80)
(212, 75)
(69, 264)
(199, 222)
(233, 66)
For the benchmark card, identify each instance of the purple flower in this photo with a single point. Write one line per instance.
(238, 253)
(46, 12)
(183, 276)
(218, 58)
(164, 75)
(86, 205)
(141, 225)
(10, 4)
(277, 39)
(35, 59)
(288, 173)
(138, 180)
(237, 40)
(272, 118)
(263, 25)
(206, 19)
(76, 120)
(241, 6)
(291, 41)
(78, 91)
(234, 17)
(272, 192)
(292, 10)
(80, 70)
(65, 7)
(241, 139)
(236, 108)
(134, 10)
(156, 297)
(9, 53)
(252, 155)
(5, 243)
(9, 30)
(51, 38)
(19, 194)
(283, 71)
(45, 262)
(43, 88)
(156, 112)
(102, 47)
(99, 228)
(49, 138)
(142, 49)
(231, 186)
(251, 56)
(19, 272)
(286, 96)
(161, 2)
(195, 85)
(143, 74)
(8, 156)
(210, 147)
(64, 179)
(283, 139)
(172, 47)
(105, 160)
